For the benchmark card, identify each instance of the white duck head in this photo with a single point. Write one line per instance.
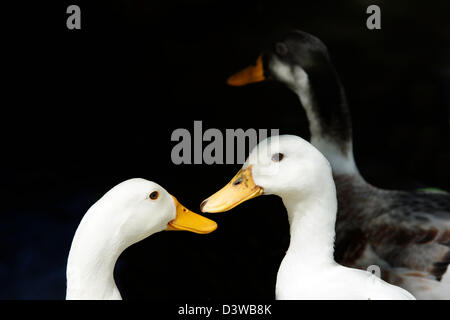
(289, 167)
(139, 208)
(128, 213)
(286, 166)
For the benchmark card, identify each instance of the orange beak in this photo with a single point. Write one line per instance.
(189, 221)
(251, 74)
(241, 188)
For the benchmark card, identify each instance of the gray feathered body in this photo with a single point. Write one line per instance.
(407, 234)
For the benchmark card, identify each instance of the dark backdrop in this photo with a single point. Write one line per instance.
(84, 110)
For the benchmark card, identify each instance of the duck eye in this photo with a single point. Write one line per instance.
(277, 157)
(154, 195)
(281, 48)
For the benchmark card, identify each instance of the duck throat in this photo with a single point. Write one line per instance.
(312, 221)
(323, 99)
(92, 257)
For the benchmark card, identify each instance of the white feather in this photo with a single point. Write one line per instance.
(305, 183)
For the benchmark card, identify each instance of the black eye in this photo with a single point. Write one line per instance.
(277, 157)
(154, 195)
(281, 48)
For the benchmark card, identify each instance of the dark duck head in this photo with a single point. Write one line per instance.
(301, 62)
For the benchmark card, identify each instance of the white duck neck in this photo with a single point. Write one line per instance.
(93, 255)
(312, 225)
(323, 99)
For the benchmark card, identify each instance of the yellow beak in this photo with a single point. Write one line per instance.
(248, 75)
(241, 188)
(189, 221)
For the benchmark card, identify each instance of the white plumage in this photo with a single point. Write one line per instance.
(128, 213)
(304, 181)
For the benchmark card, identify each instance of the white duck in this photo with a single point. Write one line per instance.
(293, 169)
(128, 213)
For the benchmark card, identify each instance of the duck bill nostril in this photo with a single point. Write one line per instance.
(237, 182)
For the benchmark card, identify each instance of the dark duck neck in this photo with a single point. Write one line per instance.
(325, 103)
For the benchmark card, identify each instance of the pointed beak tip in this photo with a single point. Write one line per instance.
(211, 227)
(202, 205)
(206, 207)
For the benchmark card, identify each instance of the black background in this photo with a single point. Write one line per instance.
(86, 109)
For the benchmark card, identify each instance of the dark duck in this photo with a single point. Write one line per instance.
(405, 233)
